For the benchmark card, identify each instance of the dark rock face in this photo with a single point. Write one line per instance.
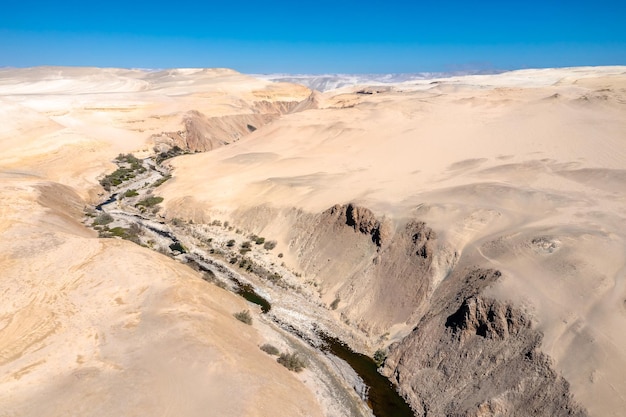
(474, 356)
(382, 272)
(488, 319)
(467, 355)
(364, 221)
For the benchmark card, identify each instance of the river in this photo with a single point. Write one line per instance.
(382, 397)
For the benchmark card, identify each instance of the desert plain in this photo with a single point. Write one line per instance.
(473, 228)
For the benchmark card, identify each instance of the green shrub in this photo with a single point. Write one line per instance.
(230, 243)
(270, 349)
(123, 173)
(121, 232)
(161, 180)
(335, 304)
(292, 361)
(102, 219)
(244, 317)
(379, 357)
(246, 245)
(259, 240)
(175, 151)
(131, 193)
(150, 201)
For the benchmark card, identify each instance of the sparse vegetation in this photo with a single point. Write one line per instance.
(121, 232)
(129, 168)
(102, 219)
(150, 201)
(292, 361)
(175, 151)
(270, 349)
(209, 276)
(379, 357)
(161, 180)
(244, 317)
(275, 277)
(131, 193)
(269, 245)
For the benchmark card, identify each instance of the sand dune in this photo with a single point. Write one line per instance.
(519, 172)
(105, 327)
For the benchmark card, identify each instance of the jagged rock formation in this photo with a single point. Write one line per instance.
(474, 356)
(467, 355)
(380, 273)
(364, 221)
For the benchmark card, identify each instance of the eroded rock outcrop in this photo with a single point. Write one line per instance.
(381, 272)
(467, 355)
(362, 220)
(201, 133)
(475, 356)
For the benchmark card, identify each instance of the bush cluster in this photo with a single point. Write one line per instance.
(102, 219)
(379, 357)
(150, 201)
(292, 361)
(244, 317)
(175, 151)
(161, 180)
(131, 233)
(270, 349)
(132, 167)
(131, 193)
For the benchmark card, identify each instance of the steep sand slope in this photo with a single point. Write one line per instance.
(523, 172)
(98, 327)
(105, 327)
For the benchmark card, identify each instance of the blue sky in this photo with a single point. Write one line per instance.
(314, 36)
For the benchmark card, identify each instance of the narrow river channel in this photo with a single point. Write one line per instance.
(382, 396)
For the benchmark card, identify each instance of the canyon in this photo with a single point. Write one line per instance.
(471, 229)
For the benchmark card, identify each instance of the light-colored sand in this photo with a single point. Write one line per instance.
(524, 171)
(105, 327)
(97, 327)
(65, 124)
